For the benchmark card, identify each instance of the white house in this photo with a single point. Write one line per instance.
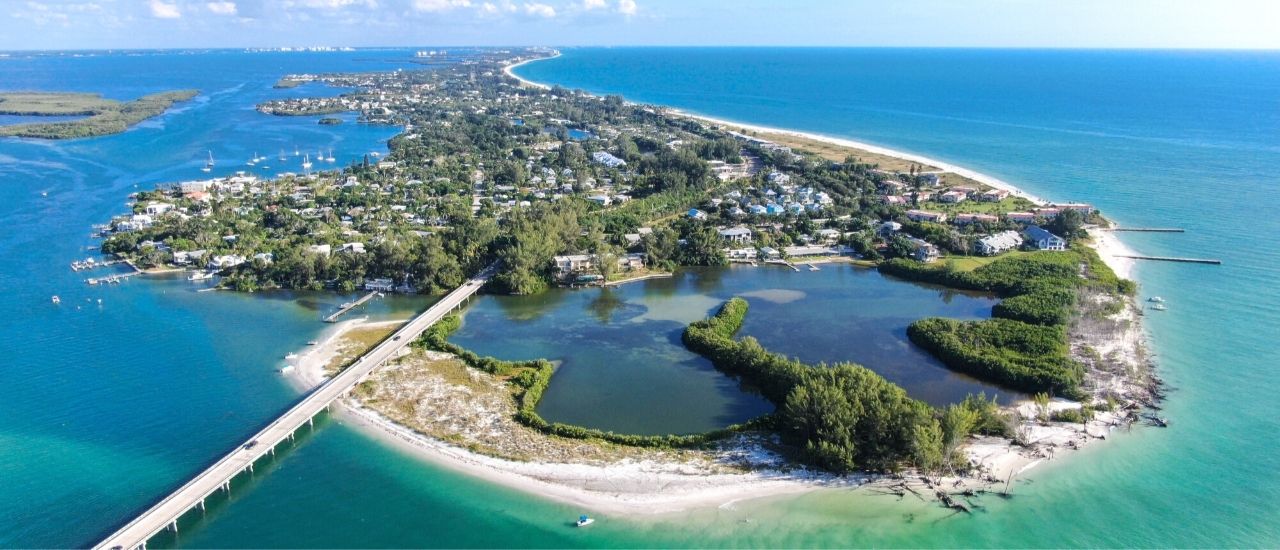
(997, 243)
(736, 235)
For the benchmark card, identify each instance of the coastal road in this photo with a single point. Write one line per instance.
(165, 513)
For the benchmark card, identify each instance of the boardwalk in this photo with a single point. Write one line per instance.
(165, 513)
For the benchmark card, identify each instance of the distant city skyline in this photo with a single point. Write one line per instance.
(105, 24)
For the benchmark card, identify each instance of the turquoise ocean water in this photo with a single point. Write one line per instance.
(105, 408)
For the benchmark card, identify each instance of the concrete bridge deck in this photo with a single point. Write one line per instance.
(166, 512)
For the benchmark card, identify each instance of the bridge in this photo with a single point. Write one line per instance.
(165, 514)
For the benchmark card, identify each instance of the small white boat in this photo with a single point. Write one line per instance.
(1156, 299)
(313, 343)
(330, 158)
(56, 300)
(1159, 307)
(200, 276)
(291, 356)
(584, 521)
(306, 162)
(208, 165)
(286, 369)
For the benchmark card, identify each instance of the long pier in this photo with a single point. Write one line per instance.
(1173, 259)
(333, 318)
(165, 513)
(1149, 229)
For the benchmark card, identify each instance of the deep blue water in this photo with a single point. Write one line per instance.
(106, 408)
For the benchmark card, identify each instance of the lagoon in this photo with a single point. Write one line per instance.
(624, 368)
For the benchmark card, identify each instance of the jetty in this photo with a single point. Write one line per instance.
(333, 317)
(1172, 259)
(1150, 229)
(192, 494)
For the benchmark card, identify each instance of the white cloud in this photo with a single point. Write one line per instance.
(222, 8)
(594, 4)
(440, 5)
(539, 10)
(164, 10)
(627, 7)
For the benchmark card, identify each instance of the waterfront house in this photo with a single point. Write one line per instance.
(770, 253)
(888, 228)
(225, 261)
(1044, 240)
(953, 196)
(736, 235)
(991, 245)
(993, 195)
(924, 250)
(573, 264)
(380, 285)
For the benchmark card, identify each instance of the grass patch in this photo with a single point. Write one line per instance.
(354, 344)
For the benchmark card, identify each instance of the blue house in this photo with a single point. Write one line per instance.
(1044, 240)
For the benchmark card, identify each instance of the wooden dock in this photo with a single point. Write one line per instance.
(783, 262)
(1173, 259)
(333, 318)
(111, 279)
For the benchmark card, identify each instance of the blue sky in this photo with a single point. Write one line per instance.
(74, 24)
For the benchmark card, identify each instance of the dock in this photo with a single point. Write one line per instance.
(1149, 229)
(111, 279)
(165, 513)
(333, 318)
(1173, 259)
(783, 262)
(93, 264)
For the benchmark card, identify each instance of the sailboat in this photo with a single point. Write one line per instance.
(330, 157)
(296, 152)
(254, 160)
(282, 157)
(208, 166)
(306, 162)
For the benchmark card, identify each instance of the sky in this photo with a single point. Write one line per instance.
(107, 24)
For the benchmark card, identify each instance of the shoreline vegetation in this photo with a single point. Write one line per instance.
(102, 116)
(1067, 328)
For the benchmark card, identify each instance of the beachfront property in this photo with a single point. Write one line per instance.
(993, 195)
(953, 197)
(1043, 239)
(968, 219)
(1021, 217)
(991, 245)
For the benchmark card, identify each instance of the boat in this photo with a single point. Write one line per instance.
(56, 299)
(812, 267)
(200, 276)
(282, 155)
(296, 152)
(306, 163)
(1159, 307)
(208, 165)
(291, 356)
(286, 369)
(330, 158)
(313, 343)
(584, 521)
(1156, 299)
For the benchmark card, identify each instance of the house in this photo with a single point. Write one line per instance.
(188, 256)
(924, 251)
(993, 195)
(758, 209)
(156, 209)
(926, 216)
(573, 264)
(953, 196)
(997, 243)
(225, 261)
(737, 212)
(774, 209)
(696, 214)
(1044, 240)
(966, 219)
(602, 200)
(353, 248)
(1046, 212)
(893, 199)
(741, 254)
(1021, 217)
(201, 186)
(321, 249)
(380, 285)
(828, 235)
(630, 262)
(889, 228)
(770, 253)
(736, 235)
(812, 250)
(603, 157)
(1080, 207)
